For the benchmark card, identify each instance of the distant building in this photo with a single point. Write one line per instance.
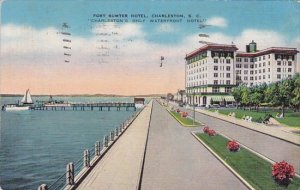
(214, 69)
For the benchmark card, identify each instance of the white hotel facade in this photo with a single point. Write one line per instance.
(214, 69)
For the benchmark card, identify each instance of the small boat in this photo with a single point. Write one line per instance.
(26, 102)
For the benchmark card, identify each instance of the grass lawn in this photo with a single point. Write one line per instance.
(291, 118)
(255, 170)
(185, 121)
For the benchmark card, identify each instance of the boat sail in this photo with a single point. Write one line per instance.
(27, 98)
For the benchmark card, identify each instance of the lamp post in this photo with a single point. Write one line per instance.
(193, 108)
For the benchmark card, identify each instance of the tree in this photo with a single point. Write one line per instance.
(295, 101)
(245, 95)
(285, 93)
(237, 94)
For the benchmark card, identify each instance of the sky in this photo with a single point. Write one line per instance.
(124, 57)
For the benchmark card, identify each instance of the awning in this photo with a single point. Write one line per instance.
(217, 98)
(229, 98)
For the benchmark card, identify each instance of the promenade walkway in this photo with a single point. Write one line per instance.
(176, 160)
(269, 146)
(120, 168)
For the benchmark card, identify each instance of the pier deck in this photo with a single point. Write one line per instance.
(120, 168)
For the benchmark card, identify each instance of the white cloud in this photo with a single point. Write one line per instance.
(217, 21)
(165, 28)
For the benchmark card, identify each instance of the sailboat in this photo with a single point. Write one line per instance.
(26, 102)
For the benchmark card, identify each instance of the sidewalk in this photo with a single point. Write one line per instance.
(121, 167)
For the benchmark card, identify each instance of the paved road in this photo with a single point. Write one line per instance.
(266, 145)
(120, 168)
(176, 160)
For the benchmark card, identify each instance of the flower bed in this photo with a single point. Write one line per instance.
(211, 132)
(283, 172)
(205, 129)
(184, 114)
(233, 146)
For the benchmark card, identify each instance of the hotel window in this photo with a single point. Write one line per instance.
(259, 64)
(289, 63)
(264, 58)
(215, 60)
(251, 78)
(251, 60)
(238, 78)
(245, 59)
(264, 70)
(255, 77)
(259, 77)
(255, 71)
(227, 60)
(238, 59)
(227, 81)
(289, 69)
(215, 81)
(255, 59)
(215, 74)
(278, 76)
(238, 66)
(278, 69)
(215, 89)
(227, 68)
(259, 58)
(269, 56)
(269, 63)
(216, 54)
(264, 77)
(255, 66)
(278, 62)
(251, 72)
(245, 72)
(251, 66)
(222, 54)
(227, 89)
(246, 66)
(259, 71)
(264, 64)
(227, 75)
(269, 76)
(245, 78)
(215, 68)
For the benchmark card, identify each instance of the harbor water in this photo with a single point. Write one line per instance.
(36, 146)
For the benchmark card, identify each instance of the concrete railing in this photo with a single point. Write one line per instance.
(75, 173)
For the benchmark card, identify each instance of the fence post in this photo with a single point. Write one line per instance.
(43, 187)
(106, 141)
(112, 136)
(70, 174)
(86, 158)
(97, 148)
(117, 131)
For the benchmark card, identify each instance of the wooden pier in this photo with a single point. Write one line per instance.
(86, 106)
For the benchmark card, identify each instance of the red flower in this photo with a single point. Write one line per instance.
(205, 129)
(283, 172)
(233, 146)
(211, 132)
(184, 114)
(178, 110)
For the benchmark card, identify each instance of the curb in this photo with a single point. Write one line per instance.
(224, 163)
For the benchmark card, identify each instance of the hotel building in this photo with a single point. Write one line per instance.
(214, 69)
